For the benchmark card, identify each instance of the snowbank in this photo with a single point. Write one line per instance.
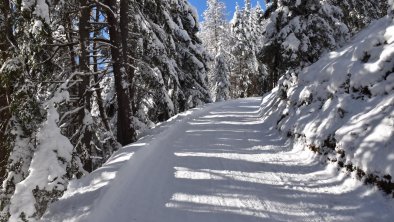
(343, 105)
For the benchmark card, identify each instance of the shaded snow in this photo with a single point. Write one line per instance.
(40, 7)
(291, 43)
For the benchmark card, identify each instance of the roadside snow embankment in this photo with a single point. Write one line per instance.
(343, 105)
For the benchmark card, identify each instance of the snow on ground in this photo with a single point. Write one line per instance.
(345, 101)
(220, 162)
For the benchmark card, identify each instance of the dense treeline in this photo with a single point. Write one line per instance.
(259, 47)
(78, 79)
(297, 33)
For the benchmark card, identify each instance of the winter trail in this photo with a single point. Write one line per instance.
(218, 163)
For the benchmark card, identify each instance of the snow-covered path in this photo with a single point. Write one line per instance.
(219, 163)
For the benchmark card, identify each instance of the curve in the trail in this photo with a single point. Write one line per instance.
(218, 163)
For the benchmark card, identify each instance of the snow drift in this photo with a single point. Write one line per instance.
(343, 105)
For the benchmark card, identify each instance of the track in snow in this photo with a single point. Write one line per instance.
(219, 163)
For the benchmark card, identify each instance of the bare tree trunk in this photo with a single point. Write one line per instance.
(84, 92)
(100, 103)
(128, 62)
(125, 132)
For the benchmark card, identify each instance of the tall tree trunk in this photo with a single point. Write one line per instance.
(84, 91)
(128, 62)
(5, 112)
(100, 102)
(125, 131)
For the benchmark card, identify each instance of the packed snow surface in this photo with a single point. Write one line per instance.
(220, 162)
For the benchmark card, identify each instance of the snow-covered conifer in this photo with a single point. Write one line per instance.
(213, 29)
(257, 26)
(222, 83)
(50, 167)
(358, 14)
(245, 68)
(171, 69)
(31, 77)
(214, 35)
(298, 32)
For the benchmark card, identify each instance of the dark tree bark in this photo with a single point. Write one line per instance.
(84, 92)
(100, 102)
(124, 30)
(125, 132)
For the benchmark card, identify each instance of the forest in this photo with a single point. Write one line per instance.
(80, 79)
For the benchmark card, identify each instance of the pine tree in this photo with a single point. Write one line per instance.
(298, 33)
(214, 26)
(18, 74)
(29, 70)
(237, 64)
(357, 14)
(214, 36)
(49, 168)
(171, 72)
(258, 24)
(222, 83)
(245, 68)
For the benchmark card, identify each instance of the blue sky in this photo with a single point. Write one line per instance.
(201, 5)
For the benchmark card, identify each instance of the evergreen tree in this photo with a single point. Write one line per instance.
(214, 35)
(298, 32)
(30, 70)
(258, 24)
(238, 76)
(357, 14)
(245, 69)
(171, 69)
(257, 27)
(222, 83)
(213, 28)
